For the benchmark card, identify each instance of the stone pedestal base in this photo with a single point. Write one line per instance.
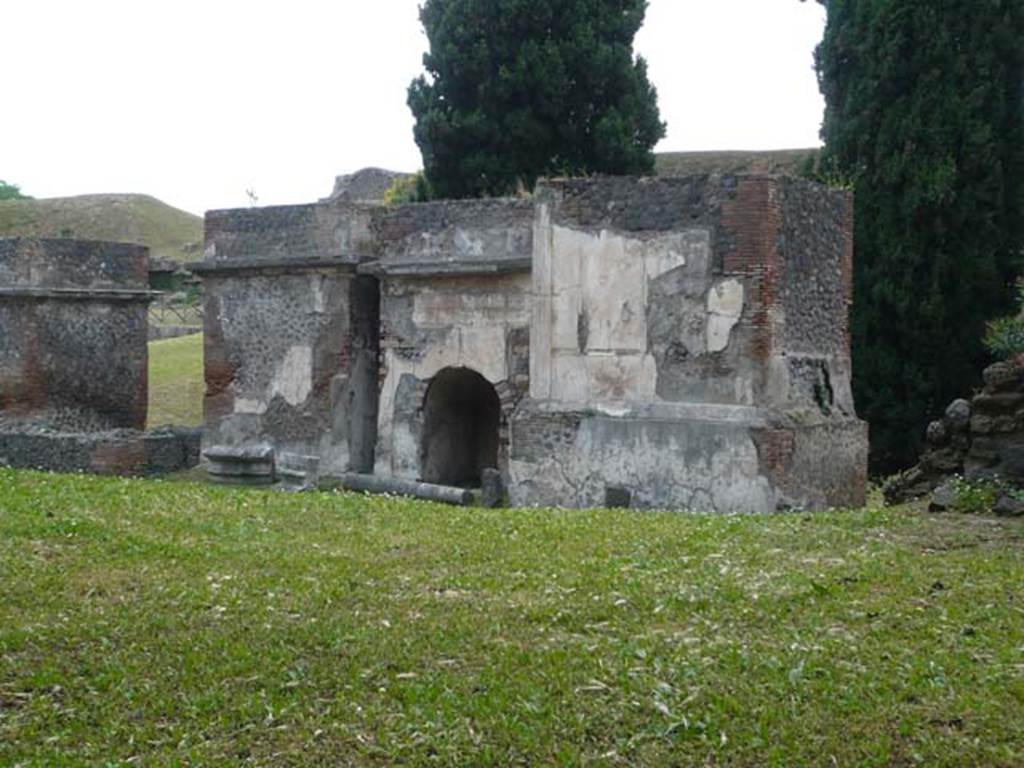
(699, 458)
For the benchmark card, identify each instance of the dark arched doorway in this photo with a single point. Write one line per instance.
(461, 414)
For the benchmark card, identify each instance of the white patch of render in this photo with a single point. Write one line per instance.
(317, 286)
(468, 245)
(541, 328)
(250, 405)
(725, 306)
(433, 308)
(294, 377)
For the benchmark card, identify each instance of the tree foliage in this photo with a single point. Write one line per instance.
(1004, 336)
(11, 192)
(924, 116)
(517, 89)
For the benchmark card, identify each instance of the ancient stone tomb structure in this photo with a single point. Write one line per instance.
(678, 343)
(73, 361)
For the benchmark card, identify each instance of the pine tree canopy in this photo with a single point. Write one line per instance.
(925, 118)
(518, 89)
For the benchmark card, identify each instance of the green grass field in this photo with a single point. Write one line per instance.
(148, 623)
(176, 383)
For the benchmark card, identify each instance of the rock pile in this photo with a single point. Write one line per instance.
(981, 439)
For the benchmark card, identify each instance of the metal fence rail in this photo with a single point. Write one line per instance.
(176, 314)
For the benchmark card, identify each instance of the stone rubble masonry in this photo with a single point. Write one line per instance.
(981, 439)
(672, 342)
(73, 350)
(367, 185)
(125, 452)
(73, 360)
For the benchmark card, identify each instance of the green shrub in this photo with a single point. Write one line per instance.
(1004, 337)
(978, 497)
(975, 498)
(407, 189)
(11, 192)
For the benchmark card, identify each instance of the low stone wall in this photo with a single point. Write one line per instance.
(124, 452)
(980, 439)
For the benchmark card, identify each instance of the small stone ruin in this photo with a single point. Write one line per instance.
(980, 440)
(73, 361)
(675, 343)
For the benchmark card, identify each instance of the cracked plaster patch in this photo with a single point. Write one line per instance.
(725, 305)
(294, 379)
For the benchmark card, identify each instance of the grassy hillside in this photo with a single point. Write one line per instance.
(176, 384)
(147, 623)
(168, 231)
(790, 161)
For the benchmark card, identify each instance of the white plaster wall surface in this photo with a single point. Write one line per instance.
(593, 289)
(476, 327)
(541, 322)
(467, 243)
(725, 306)
(697, 465)
(294, 377)
(441, 308)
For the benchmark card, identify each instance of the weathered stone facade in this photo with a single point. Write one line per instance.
(73, 360)
(689, 347)
(65, 306)
(673, 342)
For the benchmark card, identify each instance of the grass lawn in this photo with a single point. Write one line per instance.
(158, 623)
(176, 384)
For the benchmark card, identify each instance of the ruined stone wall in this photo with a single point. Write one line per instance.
(73, 350)
(289, 233)
(281, 307)
(814, 293)
(671, 342)
(690, 289)
(455, 294)
(689, 347)
(73, 361)
(980, 439)
(124, 452)
(625, 310)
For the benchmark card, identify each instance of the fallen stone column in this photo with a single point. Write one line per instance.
(444, 494)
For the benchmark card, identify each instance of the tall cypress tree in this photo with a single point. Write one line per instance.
(924, 118)
(517, 89)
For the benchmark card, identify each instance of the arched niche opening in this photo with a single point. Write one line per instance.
(461, 416)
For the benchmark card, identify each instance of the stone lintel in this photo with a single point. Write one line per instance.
(79, 294)
(228, 266)
(445, 268)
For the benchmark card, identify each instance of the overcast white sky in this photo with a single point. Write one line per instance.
(196, 101)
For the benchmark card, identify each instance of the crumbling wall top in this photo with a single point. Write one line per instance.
(84, 265)
(456, 236)
(334, 231)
